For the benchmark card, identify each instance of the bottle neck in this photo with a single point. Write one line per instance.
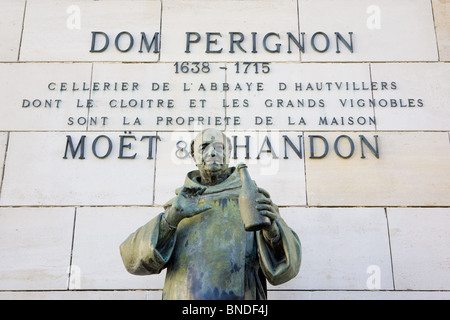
(245, 176)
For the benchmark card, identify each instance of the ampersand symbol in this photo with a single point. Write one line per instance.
(182, 152)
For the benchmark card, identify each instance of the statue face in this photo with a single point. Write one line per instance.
(212, 156)
(210, 151)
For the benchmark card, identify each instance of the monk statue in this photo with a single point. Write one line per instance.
(200, 237)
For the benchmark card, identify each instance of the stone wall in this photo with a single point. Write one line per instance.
(340, 108)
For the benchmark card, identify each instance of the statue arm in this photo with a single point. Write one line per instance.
(279, 254)
(148, 250)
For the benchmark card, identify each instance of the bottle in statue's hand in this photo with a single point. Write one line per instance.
(251, 217)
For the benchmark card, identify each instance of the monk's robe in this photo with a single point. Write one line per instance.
(210, 256)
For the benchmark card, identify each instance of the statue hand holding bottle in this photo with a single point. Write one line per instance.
(266, 207)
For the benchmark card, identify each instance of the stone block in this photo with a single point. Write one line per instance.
(163, 101)
(276, 163)
(418, 102)
(43, 97)
(343, 249)
(36, 172)
(82, 295)
(35, 246)
(420, 253)
(11, 28)
(3, 144)
(96, 256)
(67, 31)
(173, 164)
(412, 169)
(441, 10)
(293, 96)
(383, 30)
(358, 295)
(231, 25)
(283, 178)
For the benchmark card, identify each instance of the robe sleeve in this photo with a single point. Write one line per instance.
(148, 250)
(280, 261)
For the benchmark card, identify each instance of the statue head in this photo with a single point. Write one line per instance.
(211, 151)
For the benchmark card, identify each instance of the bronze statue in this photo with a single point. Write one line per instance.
(200, 237)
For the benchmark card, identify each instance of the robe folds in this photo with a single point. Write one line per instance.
(210, 256)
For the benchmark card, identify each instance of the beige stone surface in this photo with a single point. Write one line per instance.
(412, 170)
(37, 174)
(98, 235)
(171, 169)
(35, 246)
(274, 98)
(420, 254)
(11, 28)
(3, 144)
(281, 171)
(83, 295)
(262, 17)
(429, 87)
(441, 10)
(383, 30)
(28, 103)
(283, 178)
(370, 228)
(62, 30)
(341, 246)
(272, 295)
(158, 98)
(358, 295)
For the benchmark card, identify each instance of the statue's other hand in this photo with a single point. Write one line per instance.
(266, 207)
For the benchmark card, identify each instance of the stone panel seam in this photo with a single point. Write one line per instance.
(98, 290)
(298, 28)
(390, 247)
(326, 290)
(23, 27)
(69, 269)
(237, 131)
(270, 290)
(372, 94)
(435, 31)
(279, 206)
(160, 31)
(4, 164)
(155, 162)
(225, 96)
(90, 95)
(304, 169)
